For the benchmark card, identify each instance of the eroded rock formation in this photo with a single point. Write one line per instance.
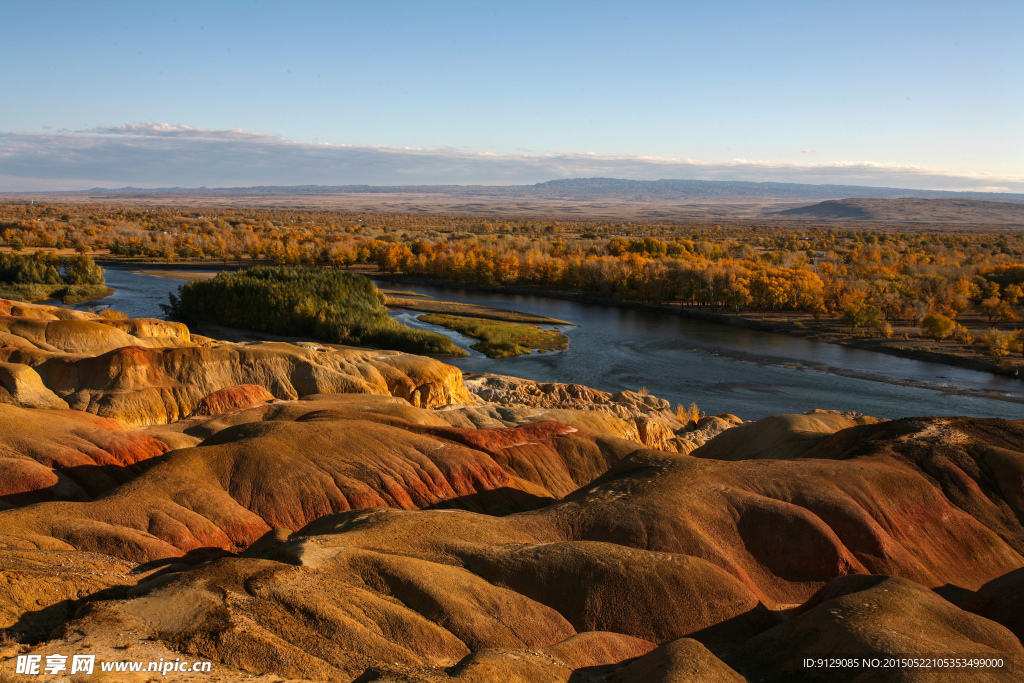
(304, 512)
(146, 372)
(636, 416)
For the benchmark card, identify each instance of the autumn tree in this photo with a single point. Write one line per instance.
(937, 326)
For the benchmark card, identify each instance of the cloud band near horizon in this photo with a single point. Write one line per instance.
(166, 155)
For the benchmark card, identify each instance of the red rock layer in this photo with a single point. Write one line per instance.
(66, 454)
(662, 549)
(232, 398)
(309, 460)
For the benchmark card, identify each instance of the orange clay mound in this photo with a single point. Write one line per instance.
(143, 386)
(878, 617)
(778, 436)
(41, 589)
(1001, 600)
(90, 336)
(977, 464)
(65, 454)
(662, 547)
(232, 398)
(147, 372)
(21, 309)
(296, 462)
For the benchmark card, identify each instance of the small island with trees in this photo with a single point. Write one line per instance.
(328, 305)
(44, 275)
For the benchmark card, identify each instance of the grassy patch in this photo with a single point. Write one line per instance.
(187, 275)
(334, 306)
(76, 294)
(403, 292)
(463, 310)
(499, 339)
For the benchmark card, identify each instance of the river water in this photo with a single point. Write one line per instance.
(723, 369)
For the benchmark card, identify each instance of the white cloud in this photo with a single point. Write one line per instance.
(166, 155)
(152, 129)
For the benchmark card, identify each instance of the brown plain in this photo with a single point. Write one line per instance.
(905, 212)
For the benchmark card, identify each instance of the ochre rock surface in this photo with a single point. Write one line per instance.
(514, 391)
(877, 617)
(743, 564)
(779, 529)
(559, 663)
(778, 436)
(93, 337)
(22, 386)
(146, 372)
(636, 416)
(976, 463)
(285, 465)
(20, 309)
(1001, 600)
(232, 398)
(328, 513)
(66, 454)
(41, 589)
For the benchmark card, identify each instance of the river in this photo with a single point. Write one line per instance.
(722, 368)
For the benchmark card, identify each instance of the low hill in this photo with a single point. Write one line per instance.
(732, 191)
(912, 210)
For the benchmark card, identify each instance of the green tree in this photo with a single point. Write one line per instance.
(937, 326)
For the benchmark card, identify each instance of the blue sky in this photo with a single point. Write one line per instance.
(930, 93)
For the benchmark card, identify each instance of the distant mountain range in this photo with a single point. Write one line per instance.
(698, 191)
